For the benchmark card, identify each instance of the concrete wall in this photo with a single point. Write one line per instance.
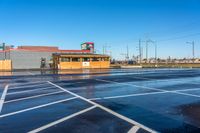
(28, 59)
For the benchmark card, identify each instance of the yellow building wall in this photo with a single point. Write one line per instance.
(5, 65)
(79, 65)
(100, 64)
(105, 64)
(95, 64)
(70, 65)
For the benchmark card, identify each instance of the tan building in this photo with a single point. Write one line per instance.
(5, 65)
(77, 61)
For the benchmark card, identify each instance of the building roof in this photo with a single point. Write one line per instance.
(88, 43)
(79, 55)
(44, 49)
(38, 47)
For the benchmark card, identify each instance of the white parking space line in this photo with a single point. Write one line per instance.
(186, 94)
(127, 84)
(194, 89)
(31, 97)
(28, 83)
(30, 73)
(27, 86)
(166, 80)
(61, 120)
(12, 93)
(3, 96)
(105, 109)
(134, 129)
(149, 93)
(150, 88)
(129, 95)
(171, 80)
(36, 107)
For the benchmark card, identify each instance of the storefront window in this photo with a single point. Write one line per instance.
(105, 59)
(75, 59)
(96, 59)
(86, 59)
(65, 59)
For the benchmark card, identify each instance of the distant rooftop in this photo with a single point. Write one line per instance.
(80, 54)
(44, 49)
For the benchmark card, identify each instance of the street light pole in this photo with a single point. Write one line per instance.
(127, 52)
(155, 54)
(147, 45)
(4, 48)
(105, 50)
(193, 51)
(147, 51)
(140, 51)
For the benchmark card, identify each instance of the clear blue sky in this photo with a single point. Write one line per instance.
(117, 23)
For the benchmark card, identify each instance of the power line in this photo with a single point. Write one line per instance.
(180, 37)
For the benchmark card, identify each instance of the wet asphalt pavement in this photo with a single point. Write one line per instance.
(101, 101)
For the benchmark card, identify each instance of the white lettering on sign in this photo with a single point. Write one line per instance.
(86, 64)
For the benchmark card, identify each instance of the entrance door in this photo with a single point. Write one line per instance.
(86, 63)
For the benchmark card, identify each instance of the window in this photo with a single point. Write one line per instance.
(86, 59)
(75, 59)
(105, 59)
(96, 59)
(65, 59)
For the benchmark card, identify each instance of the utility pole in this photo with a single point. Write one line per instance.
(127, 54)
(3, 45)
(147, 51)
(155, 54)
(147, 45)
(140, 51)
(4, 48)
(103, 49)
(193, 51)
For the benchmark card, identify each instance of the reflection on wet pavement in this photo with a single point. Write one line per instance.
(165, 100)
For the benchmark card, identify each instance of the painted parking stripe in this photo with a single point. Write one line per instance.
(12, 93)
(61, 120)
(35, 82)
(186, 94)
(25, 98)
(36, 107)
(26, 86)
(194, 89)
(105, 109)
(130, 95)
(3, 96)
(149, 93)
(134, 129)
(152, 79)
(150, 88)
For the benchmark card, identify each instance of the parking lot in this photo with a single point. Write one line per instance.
(101, 101)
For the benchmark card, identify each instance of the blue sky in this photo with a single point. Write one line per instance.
(116, 23)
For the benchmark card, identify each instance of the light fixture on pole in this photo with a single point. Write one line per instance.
(193, 52)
